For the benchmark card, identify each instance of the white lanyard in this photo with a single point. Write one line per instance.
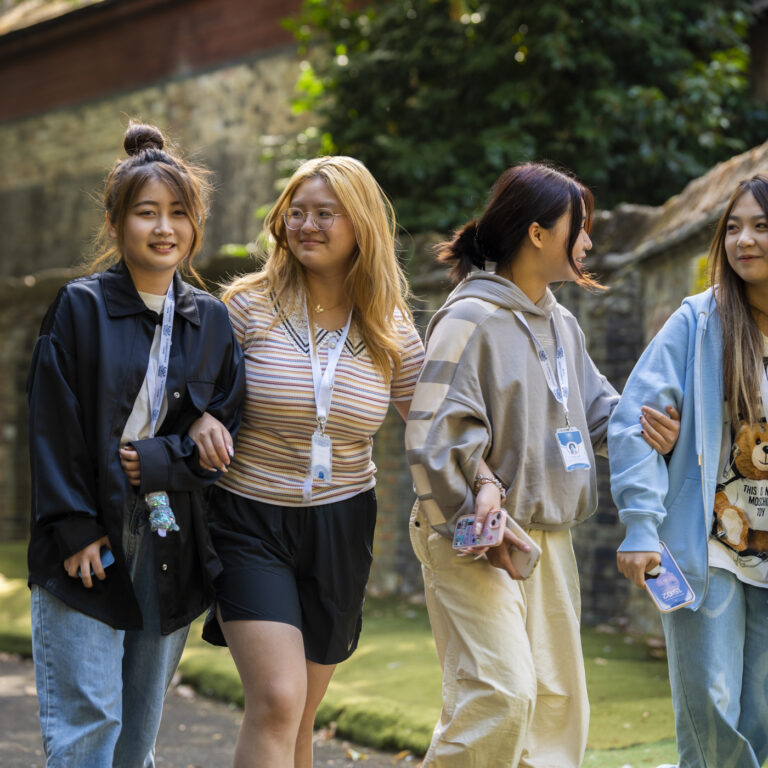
(321, 452)
(157, 375)
(556, 381)
(323, 380)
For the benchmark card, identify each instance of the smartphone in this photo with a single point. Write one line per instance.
(493, 531)
(667, 585)
(107, 558)
(491, 535)
(525, 562)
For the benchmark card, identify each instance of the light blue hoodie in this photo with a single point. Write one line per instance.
(674, 501)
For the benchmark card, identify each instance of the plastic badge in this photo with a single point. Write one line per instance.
(321, 457)
(572, 449)
(161, 517)
(668, 588)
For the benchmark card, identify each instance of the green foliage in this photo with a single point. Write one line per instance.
(437, 97)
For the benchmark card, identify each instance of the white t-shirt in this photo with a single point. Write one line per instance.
(139, 422)
(741, 505)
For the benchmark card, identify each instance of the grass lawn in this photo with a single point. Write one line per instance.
(388, 694)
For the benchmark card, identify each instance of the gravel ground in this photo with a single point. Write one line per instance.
(197, 732)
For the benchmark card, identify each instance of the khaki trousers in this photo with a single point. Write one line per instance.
(514, 690)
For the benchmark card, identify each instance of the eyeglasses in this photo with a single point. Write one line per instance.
(294, 218)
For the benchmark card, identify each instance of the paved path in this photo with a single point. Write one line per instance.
(196, 732)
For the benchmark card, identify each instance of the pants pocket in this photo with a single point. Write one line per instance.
(418, 529)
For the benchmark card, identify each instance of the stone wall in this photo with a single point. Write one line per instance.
(52, 165)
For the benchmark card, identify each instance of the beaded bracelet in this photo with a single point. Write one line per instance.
(483, 479)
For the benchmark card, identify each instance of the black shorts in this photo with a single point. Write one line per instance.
(305, 566)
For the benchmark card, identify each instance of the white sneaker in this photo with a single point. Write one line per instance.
(666, 765)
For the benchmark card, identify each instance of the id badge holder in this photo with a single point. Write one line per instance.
(320, 457)
(572, 449)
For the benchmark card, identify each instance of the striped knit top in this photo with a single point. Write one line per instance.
(273, 444)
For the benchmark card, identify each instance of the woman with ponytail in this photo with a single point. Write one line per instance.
(708, 503)
(120, 556)
(509, 412)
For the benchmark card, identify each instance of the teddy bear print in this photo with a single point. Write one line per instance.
(750, 463)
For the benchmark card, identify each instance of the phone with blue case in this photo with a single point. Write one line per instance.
(668, 587)
(107, 558)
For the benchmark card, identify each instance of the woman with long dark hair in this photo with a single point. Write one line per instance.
(707, 504)
(507, 381)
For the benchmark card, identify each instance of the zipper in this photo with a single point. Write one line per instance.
(701, 327)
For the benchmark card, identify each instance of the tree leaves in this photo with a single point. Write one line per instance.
(437, 97)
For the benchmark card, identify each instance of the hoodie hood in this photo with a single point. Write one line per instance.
(502, 292)
(499, 291)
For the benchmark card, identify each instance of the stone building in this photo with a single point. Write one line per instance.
(218, 76)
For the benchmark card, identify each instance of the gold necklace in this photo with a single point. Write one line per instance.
(319, 308)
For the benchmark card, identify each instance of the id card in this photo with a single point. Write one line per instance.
(572, 448)
(320, 457)
(668, 587)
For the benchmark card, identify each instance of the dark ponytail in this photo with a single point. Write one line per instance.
(464, 252)
(527, 193)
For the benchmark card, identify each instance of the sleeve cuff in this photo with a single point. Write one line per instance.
(153, 458)
(642, 534)
(75, 533)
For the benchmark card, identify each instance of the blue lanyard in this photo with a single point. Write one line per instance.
(157, 374)
(556, 381)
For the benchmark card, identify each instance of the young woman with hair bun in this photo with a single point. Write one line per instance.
(120, 556)
(509, 412)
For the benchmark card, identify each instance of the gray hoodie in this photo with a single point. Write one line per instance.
(482, 394)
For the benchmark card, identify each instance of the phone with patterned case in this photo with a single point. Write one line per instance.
(491, 535)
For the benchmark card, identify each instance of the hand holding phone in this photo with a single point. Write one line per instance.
(667, 585)
(464, 535)
(107, 558)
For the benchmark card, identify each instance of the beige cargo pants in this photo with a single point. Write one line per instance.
(514, 690)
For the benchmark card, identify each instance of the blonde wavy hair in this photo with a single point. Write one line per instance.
(375, 282)
(742, 340)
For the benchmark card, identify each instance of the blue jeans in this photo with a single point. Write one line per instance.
(718, 669)
(101, 690)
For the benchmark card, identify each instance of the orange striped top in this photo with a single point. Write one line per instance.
(273, 444)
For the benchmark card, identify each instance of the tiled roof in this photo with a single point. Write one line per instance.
(632, 232)
(27, 13)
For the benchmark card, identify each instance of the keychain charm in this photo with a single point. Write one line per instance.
(161, 517)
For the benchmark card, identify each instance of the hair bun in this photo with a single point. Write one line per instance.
(140, 136)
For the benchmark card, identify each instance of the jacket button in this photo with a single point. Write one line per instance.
(164, 567)
(177, 395)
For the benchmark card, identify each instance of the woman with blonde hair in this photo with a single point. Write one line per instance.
(329, 342)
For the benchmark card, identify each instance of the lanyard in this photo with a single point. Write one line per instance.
(556, 381)
(323, 380)
(158, 374)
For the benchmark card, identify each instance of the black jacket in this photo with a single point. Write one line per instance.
(88, 365)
